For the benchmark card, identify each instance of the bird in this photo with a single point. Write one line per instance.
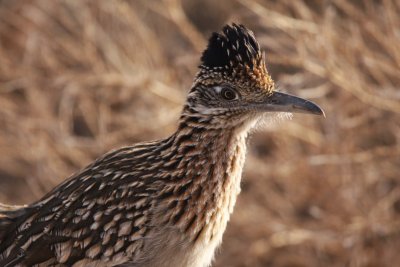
(165, 202)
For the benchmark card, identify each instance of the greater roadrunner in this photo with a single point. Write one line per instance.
(160, 203)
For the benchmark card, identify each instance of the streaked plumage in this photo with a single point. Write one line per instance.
(161, 203)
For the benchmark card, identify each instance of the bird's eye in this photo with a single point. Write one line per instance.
(228, 94)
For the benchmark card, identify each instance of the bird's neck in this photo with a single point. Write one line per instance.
(211, 161)
(216, 143)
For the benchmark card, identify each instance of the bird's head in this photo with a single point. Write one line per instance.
(233, 86)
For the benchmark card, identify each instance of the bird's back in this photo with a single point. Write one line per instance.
(100, 213)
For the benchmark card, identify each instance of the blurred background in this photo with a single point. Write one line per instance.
(78, 78)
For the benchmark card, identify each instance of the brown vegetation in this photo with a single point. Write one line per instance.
(78, 78)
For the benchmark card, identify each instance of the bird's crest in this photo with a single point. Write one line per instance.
(234, 55)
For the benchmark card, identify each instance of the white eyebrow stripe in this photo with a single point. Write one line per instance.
(218, 89)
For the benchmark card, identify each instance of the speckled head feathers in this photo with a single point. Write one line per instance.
(234, 56)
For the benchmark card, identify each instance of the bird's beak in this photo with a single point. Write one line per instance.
(281, 102)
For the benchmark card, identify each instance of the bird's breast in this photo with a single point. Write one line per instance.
(222, 200)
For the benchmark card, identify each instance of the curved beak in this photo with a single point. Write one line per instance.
(282, 102)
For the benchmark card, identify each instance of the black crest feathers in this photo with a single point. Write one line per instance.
(235, 45)
(234, 56)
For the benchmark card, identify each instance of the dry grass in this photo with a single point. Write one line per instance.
(78, 78)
